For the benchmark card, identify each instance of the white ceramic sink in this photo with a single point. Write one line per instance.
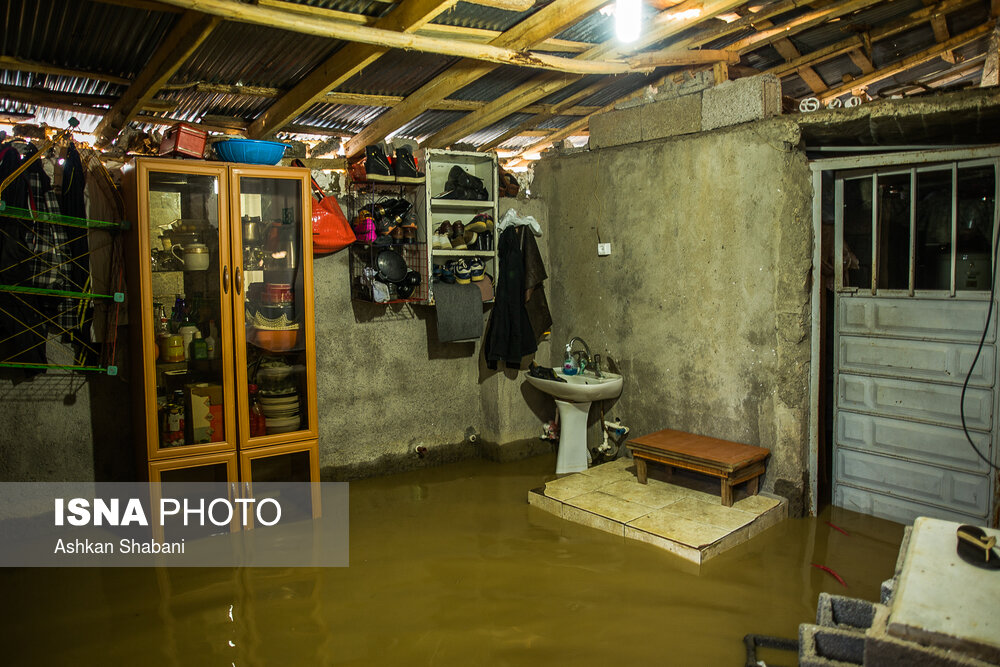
(580, 388)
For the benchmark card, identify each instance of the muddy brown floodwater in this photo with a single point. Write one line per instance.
(451, 566)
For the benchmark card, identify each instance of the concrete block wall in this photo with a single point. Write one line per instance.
(686, 108)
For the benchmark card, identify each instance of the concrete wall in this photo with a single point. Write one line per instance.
(703, 303)
(385, 387)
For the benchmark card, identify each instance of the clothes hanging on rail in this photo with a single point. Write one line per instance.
(509, 337)
(22, 329)
(536, 305)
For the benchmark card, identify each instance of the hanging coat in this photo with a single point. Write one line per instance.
(509, 337)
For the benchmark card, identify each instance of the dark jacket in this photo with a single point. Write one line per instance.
(509, 337)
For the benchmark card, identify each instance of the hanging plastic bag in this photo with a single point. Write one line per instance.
(331, 231)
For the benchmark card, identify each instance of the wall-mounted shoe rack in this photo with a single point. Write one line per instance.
(440, 205)
(58, 315)
(412, 246)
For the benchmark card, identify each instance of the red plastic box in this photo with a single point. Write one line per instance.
(182, 139)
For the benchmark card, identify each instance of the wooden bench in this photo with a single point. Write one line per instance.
(732, 462)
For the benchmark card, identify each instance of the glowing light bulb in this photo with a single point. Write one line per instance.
(628, 20)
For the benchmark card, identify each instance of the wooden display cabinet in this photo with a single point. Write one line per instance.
(220, 253)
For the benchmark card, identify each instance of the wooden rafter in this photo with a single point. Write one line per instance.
(479, 35)
(538, 27)
(811, 19)
(188, 33)
(8, 62)
(667, 24)
(559, 109)
(856, 46)
(991, 68)
(787, 50)
(73, 101)
(540, 87)
(909, 62)
(359, 99)
(236, 11)
(344, 64)
(940, 27)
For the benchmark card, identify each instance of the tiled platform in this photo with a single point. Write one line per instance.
(684, 517)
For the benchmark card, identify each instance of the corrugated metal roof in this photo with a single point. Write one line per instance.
(490, 133)
(427, 124)
(397, 73)
(116, 40)
(468, 15)
(90, 36)
(594, 29)
(278, 58)
(500, 81)
(348, 118)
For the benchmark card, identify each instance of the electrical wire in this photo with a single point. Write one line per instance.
(972, 366)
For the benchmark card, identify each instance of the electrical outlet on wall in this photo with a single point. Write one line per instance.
(603, 249)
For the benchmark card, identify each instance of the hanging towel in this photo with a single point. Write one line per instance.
(459, 312)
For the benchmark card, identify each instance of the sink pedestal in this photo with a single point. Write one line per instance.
(572, 456)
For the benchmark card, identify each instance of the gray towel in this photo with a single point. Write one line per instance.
(459, 312)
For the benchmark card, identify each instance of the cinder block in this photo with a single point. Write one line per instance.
(884, 650)
(830, 647)
(837, 611)
(741, 101)
(615, 128)
(669, 118)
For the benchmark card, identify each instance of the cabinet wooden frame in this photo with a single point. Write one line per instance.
(232, 343)
(158, 468)
(139, 272)
(307, 330)
(247, 458)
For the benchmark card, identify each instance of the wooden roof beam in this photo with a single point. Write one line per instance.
(909, 62)
(190, 30)
(429, 30)
(57, 100)
(394, 39)
(344, 64)
(10, 63)
(991, 68)
(940, 27)
(666, 24)
(858, 42)
(540, 118)
(811, 19)
(543, 24)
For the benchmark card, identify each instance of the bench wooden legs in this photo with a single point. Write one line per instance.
(640, 470)
(727, 492)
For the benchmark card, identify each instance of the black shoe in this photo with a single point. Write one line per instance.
(406, 167)
(377, 167)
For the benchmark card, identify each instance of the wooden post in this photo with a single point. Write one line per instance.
(991, 69)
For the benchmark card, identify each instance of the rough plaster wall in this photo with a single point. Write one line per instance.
(65, 428)
(703, 303)
(386, 386)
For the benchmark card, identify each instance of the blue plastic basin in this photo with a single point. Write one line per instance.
(250, 151)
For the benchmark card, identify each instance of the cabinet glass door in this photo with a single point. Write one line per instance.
(186, 238)
(272, 227)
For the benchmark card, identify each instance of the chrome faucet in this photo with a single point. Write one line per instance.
(586, 352)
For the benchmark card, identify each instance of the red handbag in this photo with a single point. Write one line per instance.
(331, 231)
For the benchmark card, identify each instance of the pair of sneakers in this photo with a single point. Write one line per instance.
(449, 235)
(460, 271)
(380, 169)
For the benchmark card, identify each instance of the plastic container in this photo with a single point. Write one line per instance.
(182, 139)
(250, 151)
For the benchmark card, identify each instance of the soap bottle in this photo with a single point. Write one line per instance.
(570, 366)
